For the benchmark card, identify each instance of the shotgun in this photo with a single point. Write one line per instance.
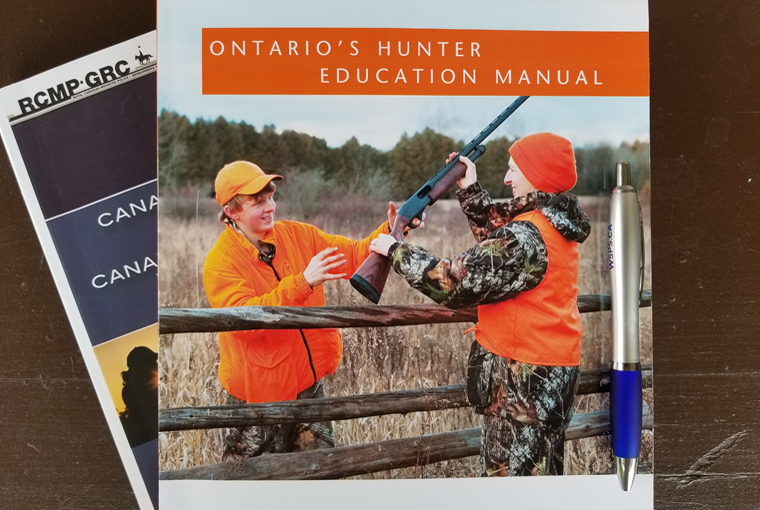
(370, 278)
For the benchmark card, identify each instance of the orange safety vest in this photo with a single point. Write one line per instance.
(273, 365)
(541, 326)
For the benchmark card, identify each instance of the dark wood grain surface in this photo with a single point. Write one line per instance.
(55, 448)
(705, 112)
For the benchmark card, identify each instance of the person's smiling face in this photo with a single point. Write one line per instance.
(256, 215)
(515, 178)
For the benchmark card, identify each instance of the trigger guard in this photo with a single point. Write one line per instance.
(419, 217)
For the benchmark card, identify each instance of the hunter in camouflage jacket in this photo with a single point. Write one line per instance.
(526, 407)
(510, 256)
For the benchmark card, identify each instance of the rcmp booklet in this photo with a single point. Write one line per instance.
(357, 104)
(81, 139)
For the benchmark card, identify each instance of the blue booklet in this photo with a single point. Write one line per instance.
(82, 141)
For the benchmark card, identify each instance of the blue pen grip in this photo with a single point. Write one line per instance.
(625, 413)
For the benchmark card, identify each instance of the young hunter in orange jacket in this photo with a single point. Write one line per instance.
(259, 261)
(523, 275)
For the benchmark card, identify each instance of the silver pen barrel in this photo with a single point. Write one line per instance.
(625, 261)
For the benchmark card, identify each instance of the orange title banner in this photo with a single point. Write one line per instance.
(379, 61)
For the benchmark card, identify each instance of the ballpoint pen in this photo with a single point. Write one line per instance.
(626, 263)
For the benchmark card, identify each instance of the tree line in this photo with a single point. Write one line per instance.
(192, 152)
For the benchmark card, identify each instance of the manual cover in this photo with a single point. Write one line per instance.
(356, 105)
(81, 139)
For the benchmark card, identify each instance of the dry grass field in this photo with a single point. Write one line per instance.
(375, 359)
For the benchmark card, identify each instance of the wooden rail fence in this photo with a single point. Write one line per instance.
(349, 407)
(357, 459)
(211, 320)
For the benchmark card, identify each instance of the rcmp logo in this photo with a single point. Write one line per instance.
(142, 58)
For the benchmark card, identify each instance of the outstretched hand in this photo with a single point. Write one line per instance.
(318, 270)
(471, 174)
(416, 222)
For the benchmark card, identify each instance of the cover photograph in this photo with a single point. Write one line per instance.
(389, 246)
(81, 140)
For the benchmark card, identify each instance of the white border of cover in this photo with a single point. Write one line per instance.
(567, 492)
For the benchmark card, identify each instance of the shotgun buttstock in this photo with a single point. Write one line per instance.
(370, 278)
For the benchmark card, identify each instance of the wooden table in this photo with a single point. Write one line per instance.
(55, 448)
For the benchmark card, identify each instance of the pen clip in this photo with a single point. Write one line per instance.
(643, 253)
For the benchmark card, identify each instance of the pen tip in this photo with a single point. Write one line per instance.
(626, 470)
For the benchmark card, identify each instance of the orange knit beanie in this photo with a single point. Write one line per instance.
(546, 160)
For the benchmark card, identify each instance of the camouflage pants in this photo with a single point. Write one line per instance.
(527, 413)
(245, 442)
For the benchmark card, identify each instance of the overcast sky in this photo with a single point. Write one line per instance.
(380, 120)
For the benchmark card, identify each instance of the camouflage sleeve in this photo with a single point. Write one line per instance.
(511, 260)
(476, 204)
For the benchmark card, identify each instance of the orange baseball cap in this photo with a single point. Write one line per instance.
(240, 178)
